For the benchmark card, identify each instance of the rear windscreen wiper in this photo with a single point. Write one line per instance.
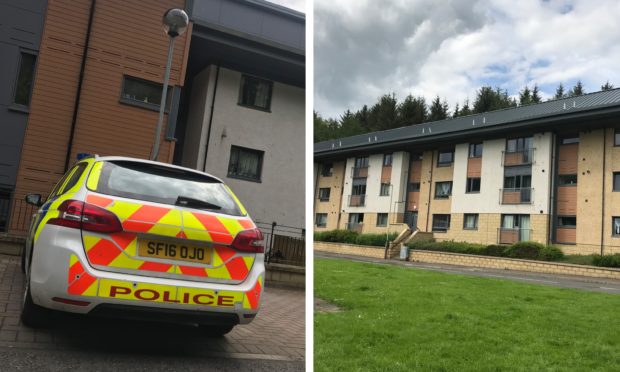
(185, 201)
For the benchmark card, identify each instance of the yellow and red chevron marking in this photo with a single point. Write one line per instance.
(83, 284)
(120, 251)
(252, 297)
(79, 282)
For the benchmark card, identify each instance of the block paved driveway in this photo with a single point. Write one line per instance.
(275, 340)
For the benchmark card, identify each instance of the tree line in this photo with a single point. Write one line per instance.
(388, 112)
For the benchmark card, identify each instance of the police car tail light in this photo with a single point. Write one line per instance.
(99, 220)
(80, 215)
(69, 214)
(249, 241)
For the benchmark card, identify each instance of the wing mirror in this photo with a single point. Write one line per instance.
(34, 199)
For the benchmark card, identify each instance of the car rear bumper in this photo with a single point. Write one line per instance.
(60, 270)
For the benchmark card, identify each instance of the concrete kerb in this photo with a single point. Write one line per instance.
(11, 245)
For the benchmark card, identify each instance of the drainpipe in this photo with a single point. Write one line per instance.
(430, 189)
(603, 192)
(217, 75)
(553, 159)
(316, 188)
(76, 105)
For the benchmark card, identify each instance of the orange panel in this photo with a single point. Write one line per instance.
(474, 167)
(568, 158)
(563, 235)
(566, 200)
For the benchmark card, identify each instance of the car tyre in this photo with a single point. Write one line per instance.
(217, 331)
(33, 315)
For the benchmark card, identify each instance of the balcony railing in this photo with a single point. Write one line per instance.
(511, 235)
(356, 227)
(521, 157)
(359, 172)
(357, 200)
(522, 195)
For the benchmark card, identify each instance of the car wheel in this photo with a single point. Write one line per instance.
(217, 331)
(23, 263)
(33, 315)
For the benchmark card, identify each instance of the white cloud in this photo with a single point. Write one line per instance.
(298, 5)
(364, 48)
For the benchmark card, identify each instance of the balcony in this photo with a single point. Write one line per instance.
(359, 172)
(507, 235)
(521, 157)
(355, 227)
(357, 200)
(522, 195)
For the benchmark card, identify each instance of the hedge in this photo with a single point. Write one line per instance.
(351, 237)
(524, 250)
(612, 260)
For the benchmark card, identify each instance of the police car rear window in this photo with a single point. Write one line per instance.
(160, 184)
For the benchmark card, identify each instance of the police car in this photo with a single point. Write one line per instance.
(137, 239)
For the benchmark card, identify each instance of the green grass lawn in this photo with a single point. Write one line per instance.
(396, 318)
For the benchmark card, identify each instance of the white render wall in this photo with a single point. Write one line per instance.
(280, 134)
(492, 179)
(374, 202)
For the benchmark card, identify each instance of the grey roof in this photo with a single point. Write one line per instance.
(256, 20)
(560, 109)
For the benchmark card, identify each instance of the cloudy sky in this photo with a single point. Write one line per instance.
(365, 48)
(298, 5)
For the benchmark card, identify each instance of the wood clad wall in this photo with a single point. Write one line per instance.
(568, 159)
(126, 38)
(567, 201)
(474, 167)
(386, 174)
(415, 173)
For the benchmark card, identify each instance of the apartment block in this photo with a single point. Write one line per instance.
(548, 172)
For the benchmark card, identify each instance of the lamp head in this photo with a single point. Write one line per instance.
(175, 22)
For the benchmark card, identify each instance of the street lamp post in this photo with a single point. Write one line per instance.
(175, 23)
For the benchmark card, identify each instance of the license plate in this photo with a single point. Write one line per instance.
(175, 251)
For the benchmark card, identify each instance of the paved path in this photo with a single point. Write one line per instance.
(564, 281)
(275, 340)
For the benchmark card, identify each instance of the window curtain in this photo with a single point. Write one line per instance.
(246, 164)
(508, 221)
(524, 232)
(444, 189)
(617, 226)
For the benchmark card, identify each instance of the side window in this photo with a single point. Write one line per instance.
(60, 183)
(73, 179)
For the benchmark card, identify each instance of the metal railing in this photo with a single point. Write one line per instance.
(521, 157)
(357, 200)
(19, 217)
(284, 244)
(507, 235)
(356, 227)
(359, 172)
(521, 195)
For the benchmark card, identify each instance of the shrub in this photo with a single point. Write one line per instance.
(351, 237)
(612, 260)
(526, 250)
(550, 253)
(336, 236)
(447, 246)
(494, 250)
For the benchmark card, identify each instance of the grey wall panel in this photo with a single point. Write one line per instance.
(21, 26)
(273, 24)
